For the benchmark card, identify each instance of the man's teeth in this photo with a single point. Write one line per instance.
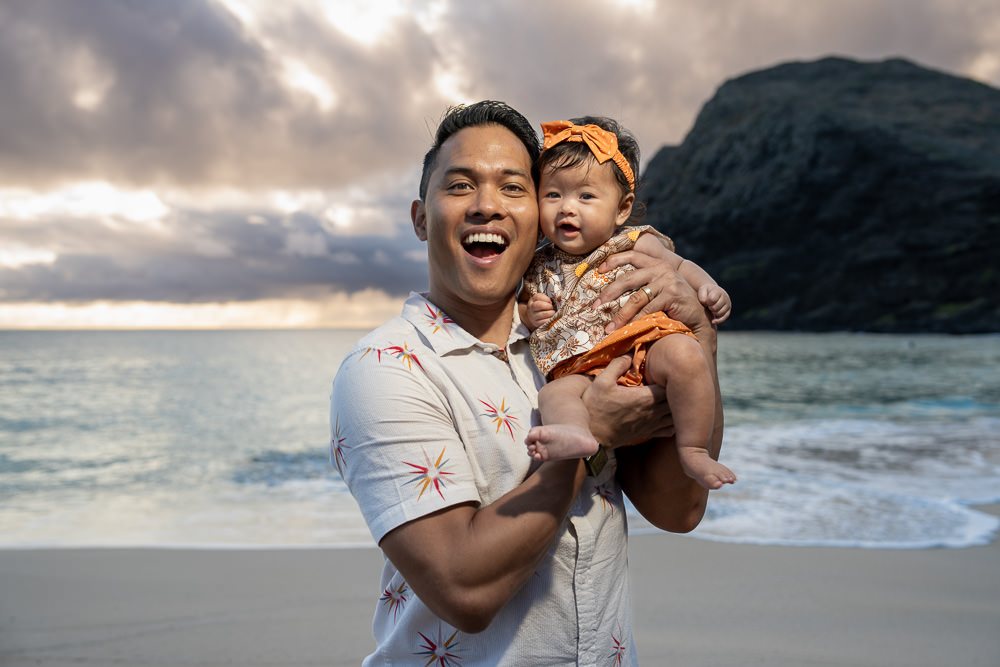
(483, 237)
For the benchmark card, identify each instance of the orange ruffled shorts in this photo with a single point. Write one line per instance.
(635, 338)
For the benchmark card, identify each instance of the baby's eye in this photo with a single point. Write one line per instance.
(586, 195)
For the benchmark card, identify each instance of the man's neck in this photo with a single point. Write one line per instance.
(489, 323)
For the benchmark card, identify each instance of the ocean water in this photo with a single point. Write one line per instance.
(219, 439)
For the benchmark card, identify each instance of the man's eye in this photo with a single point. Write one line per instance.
(462, 185)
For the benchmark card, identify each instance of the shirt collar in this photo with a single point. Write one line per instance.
(443, 335)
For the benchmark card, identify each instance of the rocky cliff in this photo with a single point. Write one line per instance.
(838, 195)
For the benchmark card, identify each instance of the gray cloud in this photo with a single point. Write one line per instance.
(190, 97)
(260, 262)
(182, 96)
(654, 67)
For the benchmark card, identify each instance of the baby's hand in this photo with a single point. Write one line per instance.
(540, 310)
(717, 301)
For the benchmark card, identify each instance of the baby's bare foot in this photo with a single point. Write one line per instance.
(560, 441)
(705, 470)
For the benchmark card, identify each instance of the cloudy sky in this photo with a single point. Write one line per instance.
(251, 163)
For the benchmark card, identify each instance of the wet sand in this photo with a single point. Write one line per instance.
(696, 603)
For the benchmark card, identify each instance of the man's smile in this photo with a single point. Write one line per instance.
(484, 245)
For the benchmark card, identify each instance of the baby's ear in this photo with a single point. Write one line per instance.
(625, 209)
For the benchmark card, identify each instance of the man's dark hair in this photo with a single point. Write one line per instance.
(487, 112)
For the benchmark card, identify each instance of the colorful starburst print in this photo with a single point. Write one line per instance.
(441, 651)
(405, 354)
(500, 416)
(438, 320)
(378, 353)
(394, 599)
(607, 496)
(430, 474)
(618, 648)
(337, 448)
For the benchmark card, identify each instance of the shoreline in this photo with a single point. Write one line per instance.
(695, 602)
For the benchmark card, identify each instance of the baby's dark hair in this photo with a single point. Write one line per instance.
(571, 153)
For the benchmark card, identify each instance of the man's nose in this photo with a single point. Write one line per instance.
(488, 203)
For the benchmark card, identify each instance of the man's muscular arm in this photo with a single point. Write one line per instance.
(465, 562)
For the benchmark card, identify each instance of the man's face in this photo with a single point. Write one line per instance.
(479, 218)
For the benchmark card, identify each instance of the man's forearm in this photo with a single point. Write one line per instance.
(466, 563)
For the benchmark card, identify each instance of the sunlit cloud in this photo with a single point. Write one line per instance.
(297, 74)
(92, 81)
(83, 200)
(16, 255)
(637, 5)
(986, 66)
(363, 21)
(360, 310)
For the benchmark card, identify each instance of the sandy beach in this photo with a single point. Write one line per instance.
(696, 603)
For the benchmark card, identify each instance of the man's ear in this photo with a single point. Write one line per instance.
(419, 217)
(624, 209)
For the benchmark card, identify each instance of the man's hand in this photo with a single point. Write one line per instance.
(670, 292)
(539, 311)
(625, 415)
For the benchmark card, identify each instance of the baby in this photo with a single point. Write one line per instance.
(586, 193)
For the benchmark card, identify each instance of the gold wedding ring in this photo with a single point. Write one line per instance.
(648, 292)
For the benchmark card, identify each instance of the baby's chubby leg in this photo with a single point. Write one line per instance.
(678, 363)
(565, 430)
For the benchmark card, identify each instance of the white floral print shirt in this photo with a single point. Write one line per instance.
(425, 416)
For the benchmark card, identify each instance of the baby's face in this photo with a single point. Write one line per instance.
(580, 207)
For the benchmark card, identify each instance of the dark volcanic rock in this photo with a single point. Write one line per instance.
(838, 195)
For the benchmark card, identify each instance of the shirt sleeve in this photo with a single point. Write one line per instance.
(394, 439)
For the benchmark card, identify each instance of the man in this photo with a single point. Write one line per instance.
(492, 559)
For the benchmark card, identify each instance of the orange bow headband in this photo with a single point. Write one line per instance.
(603, 144)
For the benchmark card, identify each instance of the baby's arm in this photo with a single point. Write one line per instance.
(537, 311)
(710, 294)
(534, 309)
(716, 300)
